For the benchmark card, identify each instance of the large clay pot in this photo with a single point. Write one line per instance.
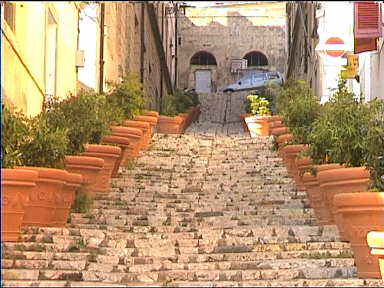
(281, 141)
(303, 165)
(66, 199)
(316, 198)
(375, 241)
(153, 121)
(275, 124)
(362, 212)
(134, 135)
(279, 131)
(170, 125)
(125, 156)
(45, 198)
(88, 167)
(145, 127)
(290, 152)
(151, 113)
(257, 125)
(109, 154)
(336, 181)
(17, 185)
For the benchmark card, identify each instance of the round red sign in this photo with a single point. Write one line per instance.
(335, 46)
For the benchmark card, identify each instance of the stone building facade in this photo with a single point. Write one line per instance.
(210, 38)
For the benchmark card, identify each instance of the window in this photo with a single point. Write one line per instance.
(203, 58)
(256, 59)
(9, 15)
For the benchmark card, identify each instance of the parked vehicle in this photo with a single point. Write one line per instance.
(255, 80)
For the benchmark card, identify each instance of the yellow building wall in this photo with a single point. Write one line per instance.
(23, 54)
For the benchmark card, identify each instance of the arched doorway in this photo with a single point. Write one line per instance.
(202, 64)
(256, 59)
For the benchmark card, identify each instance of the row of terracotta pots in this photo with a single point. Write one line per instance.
(178, 124)
(35, 196)
(338, 196)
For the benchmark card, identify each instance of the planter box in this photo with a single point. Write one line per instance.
(178, 124)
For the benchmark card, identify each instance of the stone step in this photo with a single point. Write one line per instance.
(181, 275)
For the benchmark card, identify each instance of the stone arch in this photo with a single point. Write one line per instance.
(256, 58)
(203, 58)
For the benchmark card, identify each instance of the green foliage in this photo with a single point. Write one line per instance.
(338, 133)
(46, 146)
(87, 118)
(257, 105)
(128, 96)
(179, 102)
(14, 134)
(373, 144)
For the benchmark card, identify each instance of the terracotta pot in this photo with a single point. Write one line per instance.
(134, 135)
(197, 112)
(153, 121)
(290, 153)
(184, 125)
(17, 185)
(276, 124)
(109, 154)
(276, 118)
(124, 144)
(315, 196)
(151, 113)
(344, 180)
(281, 141)
(375, 241)
(45, 197)
(362, 212)
(242, 119)
(88, 167)
(145, 127)
(66, 199)
(302, 164)
(279, 131)
(257, 125)
(170, 125)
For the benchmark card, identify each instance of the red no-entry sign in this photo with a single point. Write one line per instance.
(335, 46)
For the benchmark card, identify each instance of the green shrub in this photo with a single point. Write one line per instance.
(14, 135)
(128, 96)
(373, 145)
(338, 133)
(46, 146)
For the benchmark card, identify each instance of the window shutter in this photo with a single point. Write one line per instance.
(368, 19)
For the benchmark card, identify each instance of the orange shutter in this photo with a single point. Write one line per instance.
(368, 19)
(365, 44)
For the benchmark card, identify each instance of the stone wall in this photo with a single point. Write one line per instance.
(229, 33)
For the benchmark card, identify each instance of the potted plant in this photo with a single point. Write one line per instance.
(257, 123)
(364, 211)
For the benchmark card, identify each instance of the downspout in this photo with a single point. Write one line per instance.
(176, 43)
(102, 20)
(161, 66)
(142, 44)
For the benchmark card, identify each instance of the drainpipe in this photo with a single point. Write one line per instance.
(161, 66)
(142, 44)
(102, 20)
(176, 43)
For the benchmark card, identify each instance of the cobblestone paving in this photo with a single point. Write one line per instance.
(212, 207)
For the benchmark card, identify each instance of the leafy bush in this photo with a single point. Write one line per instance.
(169, 105)
(128, 96)
(14, 135)
(87, 118)
(46, 146)
(339, 131)
(373, 144)
(257, 105)
(179, 102)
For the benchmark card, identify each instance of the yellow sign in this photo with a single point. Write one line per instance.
(348, 74)
(353, 61)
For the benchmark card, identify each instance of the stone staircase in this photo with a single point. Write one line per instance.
(209, 208)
